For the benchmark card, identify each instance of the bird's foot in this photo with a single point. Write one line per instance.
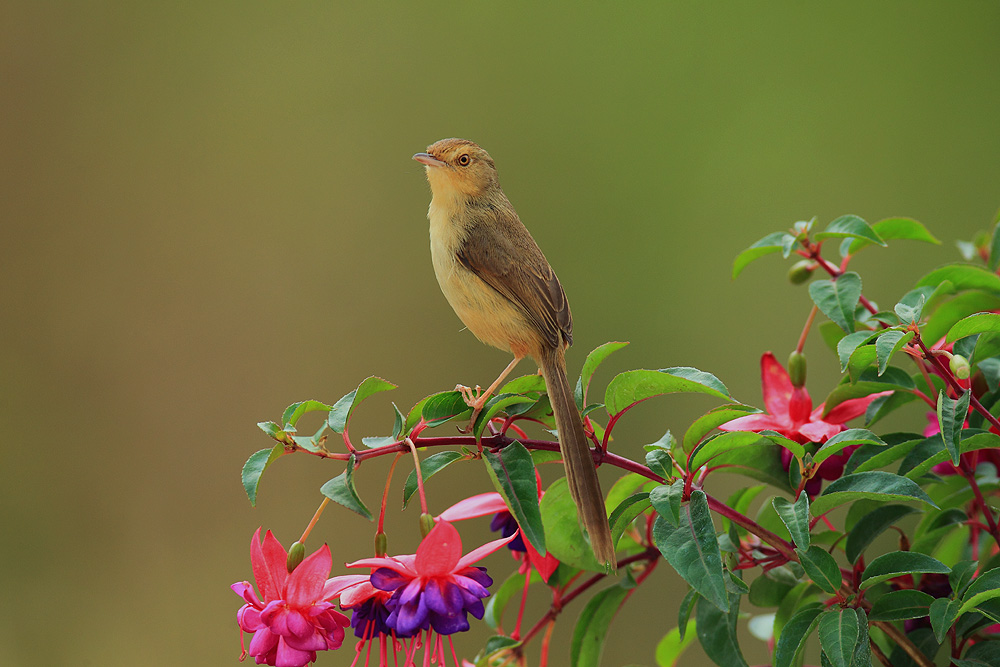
(475, 399)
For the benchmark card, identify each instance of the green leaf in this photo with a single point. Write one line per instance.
(821, 568)
(896, 563)
(984, 587)
(863, 649)
(850, 226)
(888, 344)
(273, 430)
(951, 414)
(871, 525)
(983, 654)
(592, 627)
(626, 512)
(793, 636)
(624, 486)
(513, 473)
(962, 305)
(684, 613)
(496, 405)
(838, 299)
(974, 324)
(712, 419)
(851, 342)
(498, 643)
(440, 408)
(768, 592)
(844, 439)
(255, 467)
(723, 443)
(901, 605)
(670, 648)
(895, 228)
(692, 549)
(716, 631)
(963, 277)
(564, 537)
(296, 410)
(876, 484)
(628, 388)
(962, 573)
(340, 413)
(943, 613)
(341, 490)
(593, 360)
(430, 466)
(838, 635)
(795, 516)
(769, 244)
(666, 500)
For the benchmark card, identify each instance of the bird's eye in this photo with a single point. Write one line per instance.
(464, 160)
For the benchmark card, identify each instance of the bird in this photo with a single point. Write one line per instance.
(500, 285)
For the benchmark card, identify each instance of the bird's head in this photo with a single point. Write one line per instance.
(458, 166)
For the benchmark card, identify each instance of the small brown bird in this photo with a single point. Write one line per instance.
(502, 288)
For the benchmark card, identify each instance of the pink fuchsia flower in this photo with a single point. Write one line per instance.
(294, 619)
(437, 587)
(485, 504)
(790, 412)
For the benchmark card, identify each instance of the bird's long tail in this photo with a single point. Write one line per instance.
(584, 486)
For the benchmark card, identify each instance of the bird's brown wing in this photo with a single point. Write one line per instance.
(513, 265)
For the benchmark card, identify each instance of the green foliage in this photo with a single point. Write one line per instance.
(513, 473)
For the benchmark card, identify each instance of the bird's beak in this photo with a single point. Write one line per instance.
(429, 160)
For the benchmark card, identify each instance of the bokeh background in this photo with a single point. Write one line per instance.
(209, 211)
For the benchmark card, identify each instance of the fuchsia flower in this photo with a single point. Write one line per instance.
(295, 618)
(437, 587)
(485, 504)
(790, 413)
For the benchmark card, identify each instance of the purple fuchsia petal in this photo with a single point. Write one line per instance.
(407, 617)
(388, 580)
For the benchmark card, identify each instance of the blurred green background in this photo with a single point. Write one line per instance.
(209, 212)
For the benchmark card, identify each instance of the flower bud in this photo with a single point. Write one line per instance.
(426, 524)
(296, 553)
(797, 369)
(960, 367)
(801, 271)
(381, 544)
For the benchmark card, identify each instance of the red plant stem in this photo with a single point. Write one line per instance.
(955, 384)
(785, 548)
(385, 494)
(805, 330)
(813, 253)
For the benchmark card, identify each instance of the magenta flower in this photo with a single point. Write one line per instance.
(437, 587)
(295, 618)
(485, 504)
(790, 413)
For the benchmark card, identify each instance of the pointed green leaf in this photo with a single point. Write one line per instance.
(896, 563)
(590, 364)
(623, 515)
(850, 226)
(795, 516)
(440, 408)
(838, 635)
(793, 636)
(963, 277)
(871, 525)
(712, 419)
(512, 587)
(670, 648)
(876, 484)
(496, 405)
(255, 467)
(498, 643)
(838, 299)
(820, 567)
(684, 613)
(513, 473)
(769, 244)
(624, 486)
(723, 443)
(961, 575)
(943, 613)
(273, 430)
(666, 500)
(692, 549)
(901, 605)
(844, 439)
(341, 490)
(981, 654)
(716, 630)
(888, 344)
(564, 537)
(849, 343)
(296, 410)
(951, 415)
(430, 466)
(984, 587)
(974, 324)
(628, 388)
(340, 413)
(895, 228)
(592, 627)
